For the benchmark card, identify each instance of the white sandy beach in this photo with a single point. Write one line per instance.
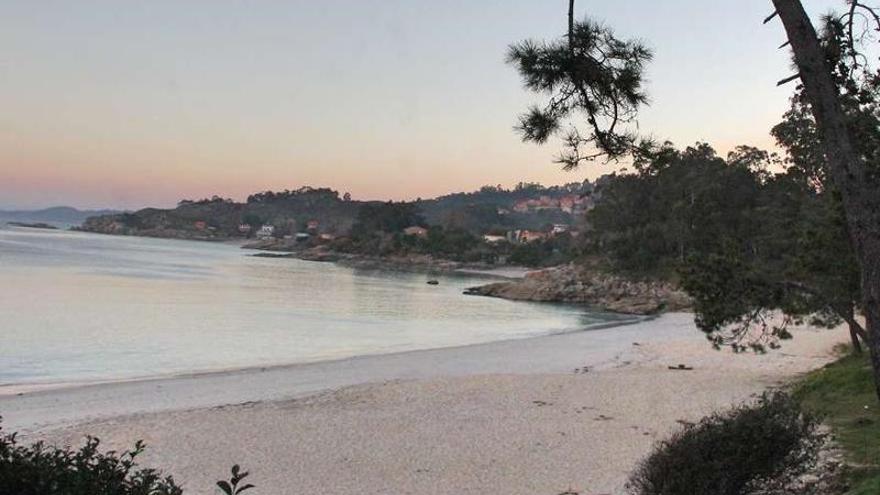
(509, 417)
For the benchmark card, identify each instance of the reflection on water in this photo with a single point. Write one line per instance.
(79, 307)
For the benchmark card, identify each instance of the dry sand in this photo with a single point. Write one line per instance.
(509, 417)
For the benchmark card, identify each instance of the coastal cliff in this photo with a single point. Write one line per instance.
(573, 284)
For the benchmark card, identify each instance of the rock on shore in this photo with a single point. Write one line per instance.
(572, 284)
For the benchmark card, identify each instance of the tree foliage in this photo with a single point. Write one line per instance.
(684, 203)
(553, 251)
(389, 217)
(838, 84)
(590, 73)
(743, 241)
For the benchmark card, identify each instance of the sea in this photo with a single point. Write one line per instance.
(81, 308)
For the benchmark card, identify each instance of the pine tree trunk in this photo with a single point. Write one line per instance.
(854, 336)
(859, 192)
(871, 291)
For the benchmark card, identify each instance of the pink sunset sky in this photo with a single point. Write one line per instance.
(130, 104)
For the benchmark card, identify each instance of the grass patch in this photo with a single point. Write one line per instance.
(843, 394)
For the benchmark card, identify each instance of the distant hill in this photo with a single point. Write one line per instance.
(324, 211)
(64, 215)
(493, 208)
(220, 218)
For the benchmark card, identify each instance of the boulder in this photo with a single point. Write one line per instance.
(573, 284)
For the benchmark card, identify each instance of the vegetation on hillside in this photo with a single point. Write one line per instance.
(490, 210)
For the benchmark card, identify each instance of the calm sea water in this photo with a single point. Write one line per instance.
(81, 307)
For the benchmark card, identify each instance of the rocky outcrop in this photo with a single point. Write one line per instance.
(573, 284)
(157, 226)
(105, 224)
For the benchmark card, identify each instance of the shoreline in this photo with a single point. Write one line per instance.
(21, 389)
(407, 364)
(421, 263)
(525, 416)
(607, 345)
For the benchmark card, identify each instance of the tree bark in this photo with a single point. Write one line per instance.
(856, 333)
(854, 337)
(860, 194)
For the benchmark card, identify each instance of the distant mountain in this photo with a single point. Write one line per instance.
(63, 215)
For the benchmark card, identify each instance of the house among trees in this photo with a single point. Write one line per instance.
(533, 205)
(416, 231)
(266, 231)
(200, 225)
(532, 236)
(494, 239)
(244, 228)
(560, 228)
(525, 236)
(570, 203)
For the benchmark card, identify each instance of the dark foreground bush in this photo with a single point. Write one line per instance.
(755, 448)
(39, 469)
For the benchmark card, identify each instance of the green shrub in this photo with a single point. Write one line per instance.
(754, 448)
(40, 469)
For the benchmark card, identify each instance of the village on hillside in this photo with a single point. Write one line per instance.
(485, 225)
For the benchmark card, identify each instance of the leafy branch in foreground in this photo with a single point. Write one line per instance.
(590, 72)
(231, 487)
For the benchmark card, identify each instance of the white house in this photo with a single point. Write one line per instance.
(494, 239)
(266, 231)
(416, 231)
(560, 228)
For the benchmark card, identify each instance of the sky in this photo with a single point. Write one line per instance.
(126, 104)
